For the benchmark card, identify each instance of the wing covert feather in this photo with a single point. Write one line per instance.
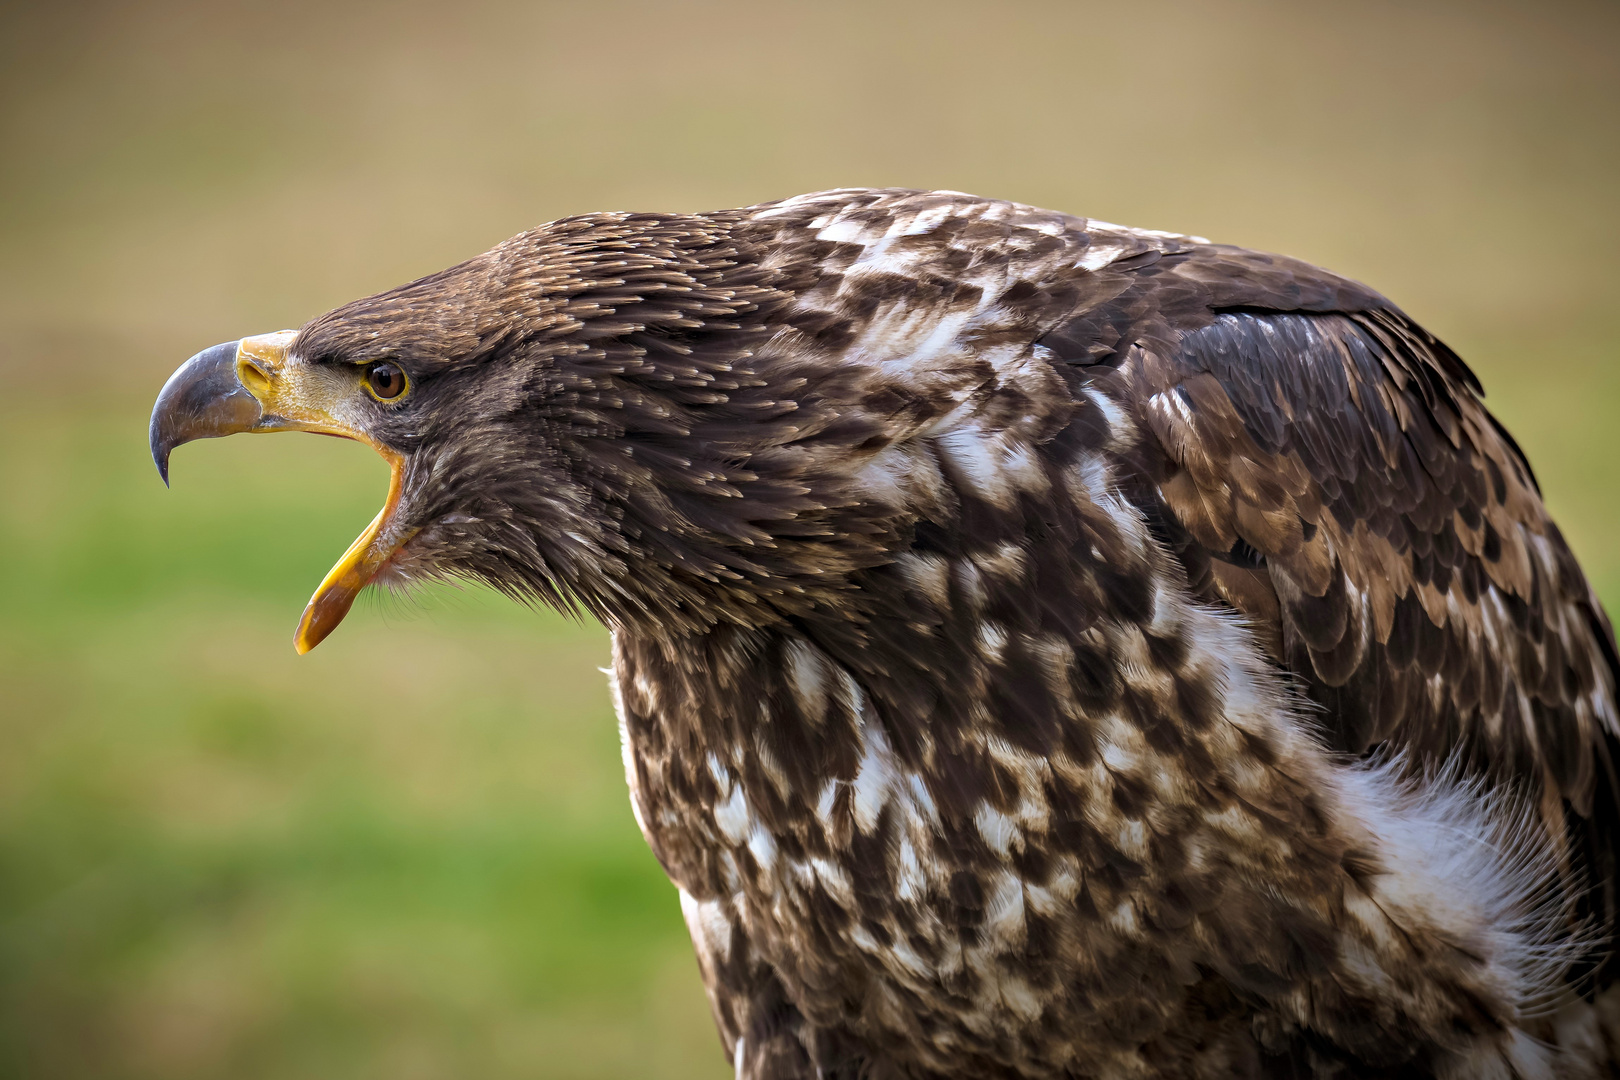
(1326, 467)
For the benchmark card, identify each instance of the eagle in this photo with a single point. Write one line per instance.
(1042, 648)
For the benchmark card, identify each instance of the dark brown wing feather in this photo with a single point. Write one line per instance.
(1326, 467)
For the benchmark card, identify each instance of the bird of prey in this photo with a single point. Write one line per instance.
(1042, 648)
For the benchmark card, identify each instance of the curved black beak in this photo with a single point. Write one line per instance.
(204, 399)
(255, 385)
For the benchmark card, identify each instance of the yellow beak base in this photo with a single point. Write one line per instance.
(370, 550)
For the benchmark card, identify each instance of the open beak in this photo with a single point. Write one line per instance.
(251, 385)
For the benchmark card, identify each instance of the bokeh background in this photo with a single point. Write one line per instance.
(409, 854)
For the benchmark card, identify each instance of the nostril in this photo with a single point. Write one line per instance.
(253, 375)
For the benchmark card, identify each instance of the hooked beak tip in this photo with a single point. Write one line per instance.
(204, 399)
(160, 455)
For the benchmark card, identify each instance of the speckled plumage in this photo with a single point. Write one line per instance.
(1042, 648)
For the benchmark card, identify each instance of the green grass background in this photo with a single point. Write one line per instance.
(409, 854)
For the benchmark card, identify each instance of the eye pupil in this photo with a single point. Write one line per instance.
(387, 380)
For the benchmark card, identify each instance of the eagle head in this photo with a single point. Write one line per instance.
(580, 415)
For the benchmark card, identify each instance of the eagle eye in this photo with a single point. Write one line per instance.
(386, 381)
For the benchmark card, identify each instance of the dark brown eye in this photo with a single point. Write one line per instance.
(385, 381)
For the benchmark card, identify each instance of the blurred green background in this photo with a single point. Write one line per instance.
(409, 854)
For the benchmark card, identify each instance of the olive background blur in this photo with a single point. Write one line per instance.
(409, 855)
